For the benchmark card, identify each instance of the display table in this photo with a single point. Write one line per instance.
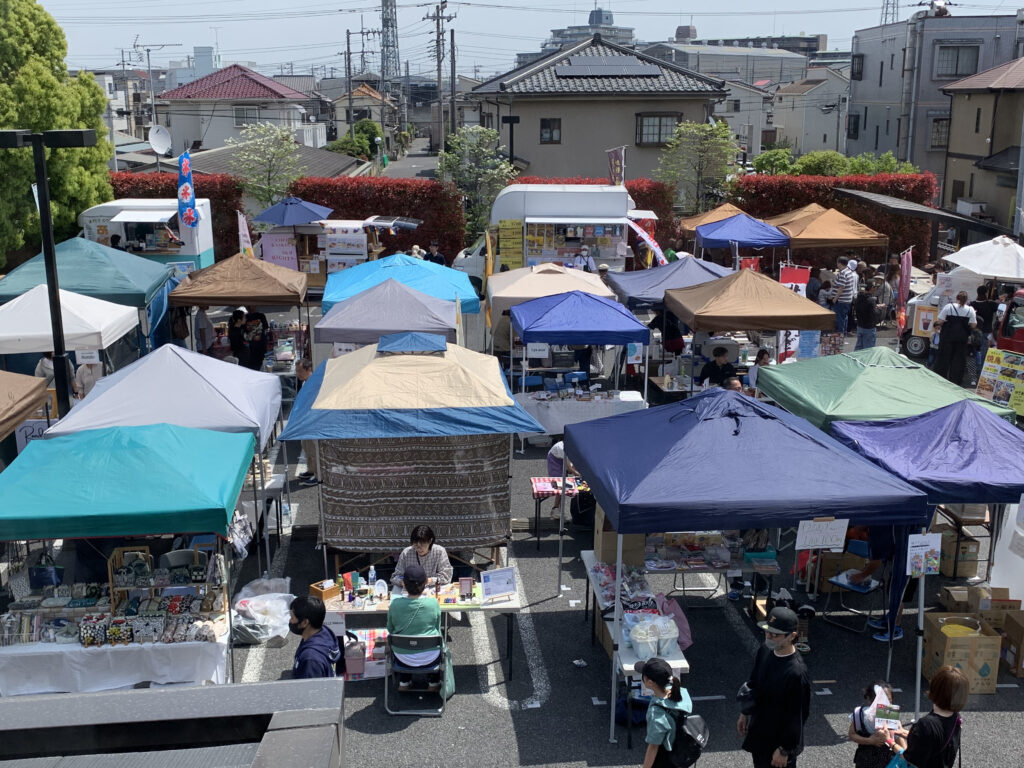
(548, 488)
(73, 668)
(554, 414)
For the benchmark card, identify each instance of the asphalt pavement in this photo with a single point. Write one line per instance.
(554, 712)
(419, 163)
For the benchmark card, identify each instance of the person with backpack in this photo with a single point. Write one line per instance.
(669, 703)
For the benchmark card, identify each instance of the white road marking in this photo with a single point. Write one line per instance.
(597, 701)
(574, 603)
(823, 692)
(1007, 685)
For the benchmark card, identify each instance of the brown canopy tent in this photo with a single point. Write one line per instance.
(746, 300)
(826, 228)
(241, 280)
(20, 397)
(688, 226)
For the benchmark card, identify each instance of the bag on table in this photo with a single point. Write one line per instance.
(45, 573)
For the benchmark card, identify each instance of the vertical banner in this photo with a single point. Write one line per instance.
(795, 279)
(904, 292)
(617, 166)
(753, 263)
(186, 193)
(646, 237)
(244, 241)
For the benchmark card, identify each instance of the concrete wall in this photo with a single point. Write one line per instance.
(750, 117)
(746, 64)
(800, 118)
(213, 122)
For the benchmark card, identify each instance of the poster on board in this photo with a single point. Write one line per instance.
(280, 249)
(1002, 379)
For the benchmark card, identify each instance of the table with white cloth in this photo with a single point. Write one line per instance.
(555, 413)
(72, 668)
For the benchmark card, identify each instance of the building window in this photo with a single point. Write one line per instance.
(977, 120)
(892, 61)
(970, 186)
(881, 70)
(734, 105)
(876, 138)
(886, 127)
(551, 130)
(853, 126)
(824, 138)
(940, 133)
(958, 191)
(246, 116)
(865, 118)
(857, 67)
(956, 60)
(655, 130)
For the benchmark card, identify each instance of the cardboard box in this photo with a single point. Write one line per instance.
(605, 542)
(954, 599)
(963, 556)
(977, 656)
(832, 563)
(1012, 651)
(992, 604)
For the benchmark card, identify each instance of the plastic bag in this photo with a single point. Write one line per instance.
(262, 616)
(671, 608)
(644, 637)
(264, 587)
(668, 635)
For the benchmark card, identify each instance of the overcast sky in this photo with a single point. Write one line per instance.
(488, 33)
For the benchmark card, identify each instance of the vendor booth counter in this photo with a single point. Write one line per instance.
(553, 413)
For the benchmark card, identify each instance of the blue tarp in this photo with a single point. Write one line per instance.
(745, 230)
(412, 341)
(425, 276)
(674, 468)
(960, 454)
(646, 287)
(577, 318)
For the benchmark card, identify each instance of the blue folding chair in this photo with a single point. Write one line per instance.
(842, 587)
(575, 376)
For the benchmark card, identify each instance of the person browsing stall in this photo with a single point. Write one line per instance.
(424, 552)
(718, 369)
(415, 615)
(934, 740)
(668, 700)
(318, 651)
(583, 260)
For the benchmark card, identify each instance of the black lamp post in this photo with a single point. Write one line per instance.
(39, 142)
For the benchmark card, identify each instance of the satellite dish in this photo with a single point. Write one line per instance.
(160, 139)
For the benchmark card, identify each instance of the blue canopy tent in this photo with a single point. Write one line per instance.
(639, 489)
(426, 277)
(744, 230)
(646, 287)
(961, 453)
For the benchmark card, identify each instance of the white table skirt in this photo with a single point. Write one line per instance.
(51, 668)
(554, 414)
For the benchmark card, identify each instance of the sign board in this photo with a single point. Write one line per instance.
(1002, 379)
(923, 551)
(510, 242)
(788, 342)
(335, 621)
(338, 263)
(821, 534)
(29, 430)
(343, 348)
(537, 349)
(87, 356)
(634, 353)
(808, 344)
(280, 249)
(501, 582)
(181, 268)
(345, 244)
(924, 320)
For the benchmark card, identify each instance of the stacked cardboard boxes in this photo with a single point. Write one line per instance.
(977, 656)
(1012, 652)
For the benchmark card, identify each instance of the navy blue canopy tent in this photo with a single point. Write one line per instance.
(646, 287)
(577, 318)
(745, 231)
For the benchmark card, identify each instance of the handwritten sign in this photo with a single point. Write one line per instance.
(87, 356)
(29, 430)
(280, 249)
(501, 582)
(821, 534)
(537, 349)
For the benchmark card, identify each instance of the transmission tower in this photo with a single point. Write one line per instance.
(890, 11)
(389, 60)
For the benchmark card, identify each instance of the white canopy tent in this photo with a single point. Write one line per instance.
(88, 323)
(1000, 258)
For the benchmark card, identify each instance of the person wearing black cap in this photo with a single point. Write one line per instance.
(773, 733)
(415, 615)
(668, 698)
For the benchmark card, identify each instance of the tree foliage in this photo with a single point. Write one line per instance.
(829, 163)
(825, 162)
(369, 131)
(697, 161)
(267, 161)
(37, 94)
(475, 165)
(774, 162)
(353, 146)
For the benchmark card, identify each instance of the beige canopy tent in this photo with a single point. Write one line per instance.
(746, 300)
(20, 397)
(507, 289)
(825, 228)
(688, 226)
(241, 280)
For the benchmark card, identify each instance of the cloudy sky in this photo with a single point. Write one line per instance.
(277, 37)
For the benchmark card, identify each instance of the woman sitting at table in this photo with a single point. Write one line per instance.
(415, 615)
(429, 556)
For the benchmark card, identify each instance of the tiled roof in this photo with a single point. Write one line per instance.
(799, 88)
(234, 82)
(540, 78)
(302, 83)
(365, 91)
(1006, 77)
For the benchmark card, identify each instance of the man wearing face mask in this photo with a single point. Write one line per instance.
(773, 733)
(318, 651)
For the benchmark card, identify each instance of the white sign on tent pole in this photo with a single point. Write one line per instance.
(821, 534)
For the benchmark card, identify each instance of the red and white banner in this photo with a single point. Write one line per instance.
(795, 279)
(904, 291)
(753, 263)
(659, 257)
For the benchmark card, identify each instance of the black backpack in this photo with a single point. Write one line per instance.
(691, 737)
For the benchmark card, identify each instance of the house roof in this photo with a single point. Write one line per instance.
(615, 70)
(320, 163)
(233, 82)
(799, 88)
(746, 86)
(302, 83)
(1005, 77)
(366, 92)
(1004, 161)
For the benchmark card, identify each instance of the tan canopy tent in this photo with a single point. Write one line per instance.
(746, 300)
(688, 226)
(241, 280)
(825, 228)
(20, 397)
(507, 289)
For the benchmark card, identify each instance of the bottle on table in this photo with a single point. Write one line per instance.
(371, 577)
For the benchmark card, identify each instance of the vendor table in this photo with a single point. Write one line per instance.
(547, 488)
(662, 387)
(555, 413)
(73, 668)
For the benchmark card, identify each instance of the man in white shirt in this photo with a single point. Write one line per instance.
(205, 335)
(955, 323)
(583, 260)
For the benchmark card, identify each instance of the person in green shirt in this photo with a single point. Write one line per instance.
(668, 700)
(417, 614)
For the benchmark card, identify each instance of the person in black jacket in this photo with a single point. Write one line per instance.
(718, 369)
(934, 740)
(318, 652)
(773, 733)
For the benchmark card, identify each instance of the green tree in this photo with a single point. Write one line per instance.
(348, 145)
(821, 163)
(36, 93)
(475, 165)
(868, 164)
(370, 131)
(697, 161)
(267, 161)
(774, 162)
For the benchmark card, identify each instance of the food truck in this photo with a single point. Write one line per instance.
(150, 228)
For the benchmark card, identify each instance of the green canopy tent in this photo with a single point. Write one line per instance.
(868, 385)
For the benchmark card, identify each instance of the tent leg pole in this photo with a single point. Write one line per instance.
(231, 627)
(561, 519)
(647, 369)
(615, 638)
(920, 645)
(287, 469)
(320, 505)
(266, 524)
(522, 387)
(256, 513)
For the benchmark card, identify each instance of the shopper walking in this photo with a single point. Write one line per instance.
(669, 700)
(867, 314)
(773, 733)
(845, 287)
(955, 323)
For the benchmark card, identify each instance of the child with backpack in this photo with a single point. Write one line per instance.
(670, 703)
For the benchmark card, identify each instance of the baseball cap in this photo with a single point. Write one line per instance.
(781, 621)
(852, 264)
(602, 267)
(657, 670)
(585, 249)
(415, 574)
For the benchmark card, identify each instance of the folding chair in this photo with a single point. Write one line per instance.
(871, 586)
(392, 668)
(575, 376)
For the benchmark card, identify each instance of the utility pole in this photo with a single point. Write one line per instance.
(438, 18)
(128, 116)
(149, 68)
(348, 82)
(451, 53)
(113, 141)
